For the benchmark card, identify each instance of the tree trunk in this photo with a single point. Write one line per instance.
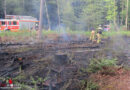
(58, 11)
(126, 21)
(115, 24)
(122, 13)
(5, 8)
(49, 28)
(41, 19)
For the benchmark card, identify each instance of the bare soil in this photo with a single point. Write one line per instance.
(119, 81)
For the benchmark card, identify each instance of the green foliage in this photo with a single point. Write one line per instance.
(97, 65)
(74, 14)
(93, 13)
(111, 10)
(20, 77)
(25, 87)
(92, 86)
(114, 33)
(23, 7)
(37, 80)
(89, 85)
(67, 13)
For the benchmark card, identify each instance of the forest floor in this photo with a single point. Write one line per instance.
(119, 81)
(56, 61)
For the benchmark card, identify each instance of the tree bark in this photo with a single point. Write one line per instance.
(122, 8)
(58, 11)
(126, 21)
(115, 24)
(5, 8)
(41, 19)
(49, 28)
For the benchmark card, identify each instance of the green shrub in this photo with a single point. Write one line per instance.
(92, 86)
(97, 65)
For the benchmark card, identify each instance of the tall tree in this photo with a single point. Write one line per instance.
(126, 22)
(48, 19)
(58, 13)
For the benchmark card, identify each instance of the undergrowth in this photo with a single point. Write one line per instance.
(98, 65)
(102, 66)
(89, 85)
(92, 86)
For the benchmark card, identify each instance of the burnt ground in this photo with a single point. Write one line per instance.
(58, 60)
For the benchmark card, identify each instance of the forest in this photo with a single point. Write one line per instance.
(72, 14)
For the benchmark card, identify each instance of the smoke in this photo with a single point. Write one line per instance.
(118, 47)
(119, 43)
(63, 31)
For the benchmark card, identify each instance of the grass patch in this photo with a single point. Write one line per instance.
(66, 32)
(45, 32)
(26, 34)
(113, 33)
(126, 33)
(20, 33)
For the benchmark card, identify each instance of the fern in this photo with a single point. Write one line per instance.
(97, 65)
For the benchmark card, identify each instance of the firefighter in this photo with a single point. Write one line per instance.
(99, 33)
(92, 36)
(98, 37)
(100, 30)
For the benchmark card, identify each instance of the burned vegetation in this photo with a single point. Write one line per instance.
(55, 62)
